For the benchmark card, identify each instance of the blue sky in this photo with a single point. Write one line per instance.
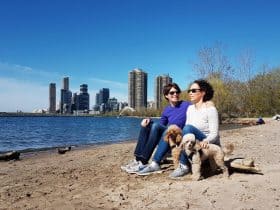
(98, 42)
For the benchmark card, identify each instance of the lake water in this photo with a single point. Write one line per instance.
(34, 133)
(29, 133)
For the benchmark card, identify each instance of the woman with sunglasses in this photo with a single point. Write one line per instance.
(202, 121)
(151, 132)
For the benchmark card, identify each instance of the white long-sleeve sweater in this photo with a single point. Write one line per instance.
(206, 120)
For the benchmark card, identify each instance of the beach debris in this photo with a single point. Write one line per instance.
(13, 155)
(63, 150)
(245, 165)
(276, 117)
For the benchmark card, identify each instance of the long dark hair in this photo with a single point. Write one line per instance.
(207, 88)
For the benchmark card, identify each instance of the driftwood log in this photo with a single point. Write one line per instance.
(63, 150)
(14, 155)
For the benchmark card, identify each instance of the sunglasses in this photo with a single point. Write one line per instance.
(173, 92)
(193, 90)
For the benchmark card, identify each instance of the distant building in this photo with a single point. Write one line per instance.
(151, 105)
(137, 89)
(65, 83)
(81, 100)
(160, 82)
(52, 98)
(104, 95)
(113, 104)
(97, 99)
(101, 100)
(65, 97)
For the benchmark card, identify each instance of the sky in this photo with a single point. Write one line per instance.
(97, 42)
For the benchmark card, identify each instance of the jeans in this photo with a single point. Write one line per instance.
(162, 149)
(163, 146)
(148, 139)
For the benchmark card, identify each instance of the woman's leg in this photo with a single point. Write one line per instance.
(191, 129)
(162, 149)
(142, 139)
(145, 148)
(154, 166)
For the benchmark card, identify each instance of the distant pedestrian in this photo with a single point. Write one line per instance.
(260, 121)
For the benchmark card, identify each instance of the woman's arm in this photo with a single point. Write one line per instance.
(213, 121)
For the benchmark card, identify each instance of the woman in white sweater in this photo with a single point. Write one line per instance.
(202, 121)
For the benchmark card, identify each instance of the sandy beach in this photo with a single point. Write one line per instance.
(91, 178)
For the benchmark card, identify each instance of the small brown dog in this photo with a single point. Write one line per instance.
(214, 153)
(174, 137)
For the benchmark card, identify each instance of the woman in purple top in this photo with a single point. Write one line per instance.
(151, 132)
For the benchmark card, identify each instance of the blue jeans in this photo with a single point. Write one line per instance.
(148, 139)
(163, 146)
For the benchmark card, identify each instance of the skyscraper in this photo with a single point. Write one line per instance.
(101, 99)
(137, 89)
(65, 83)
(65, 97)
(160, 82)
(83, 98)
(104, 95)
(52, 98)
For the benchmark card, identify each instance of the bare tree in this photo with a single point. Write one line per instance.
(213, 62)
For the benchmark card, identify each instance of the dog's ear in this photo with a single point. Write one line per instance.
(179, 139)
(166, 137)
(197, 146)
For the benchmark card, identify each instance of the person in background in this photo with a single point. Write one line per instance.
(151, 132)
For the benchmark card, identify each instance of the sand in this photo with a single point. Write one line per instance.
(91, 178)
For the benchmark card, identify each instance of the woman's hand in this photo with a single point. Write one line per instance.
(145, 122)
(204, 144)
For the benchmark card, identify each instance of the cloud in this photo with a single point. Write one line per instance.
(19, 95)
(26, 71)
(118, 90)
(110, 83)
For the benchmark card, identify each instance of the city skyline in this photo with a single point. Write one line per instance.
(98, 42)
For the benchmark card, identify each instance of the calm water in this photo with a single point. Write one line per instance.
(28, 133)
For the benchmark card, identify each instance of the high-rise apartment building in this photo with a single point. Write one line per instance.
(101, 99)
(160, 82)
(65, 83)
(65, 97)
(52, 98)
(83, 98)
(104, 95)
(137, 89)
(97, 97)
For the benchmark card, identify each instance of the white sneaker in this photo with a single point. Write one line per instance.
(129, 164)
(136, 168)
(150, 169)
(181, 170)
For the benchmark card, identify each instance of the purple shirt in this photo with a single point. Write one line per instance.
(175, 115)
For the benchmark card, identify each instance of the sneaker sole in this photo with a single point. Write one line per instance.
(132, 172)
(148, 173)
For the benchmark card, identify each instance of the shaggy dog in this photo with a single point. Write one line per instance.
(174, 137)
(214, 153)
